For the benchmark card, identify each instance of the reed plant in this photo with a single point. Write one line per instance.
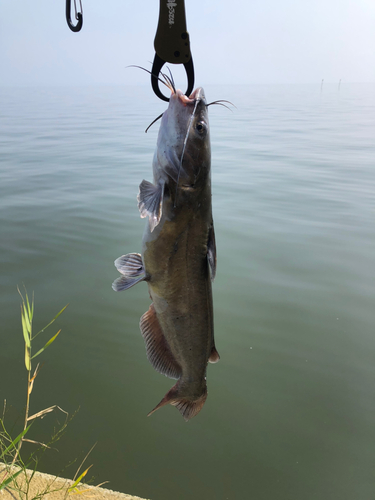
(17, 472)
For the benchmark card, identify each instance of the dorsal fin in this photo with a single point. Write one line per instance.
(158, 351)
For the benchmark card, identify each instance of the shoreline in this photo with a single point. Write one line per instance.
(55, 488)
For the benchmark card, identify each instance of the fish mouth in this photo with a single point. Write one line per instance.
(197, 95)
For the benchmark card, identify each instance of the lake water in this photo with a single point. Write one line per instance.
(291, 406)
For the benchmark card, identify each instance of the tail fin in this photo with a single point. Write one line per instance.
(186, 406)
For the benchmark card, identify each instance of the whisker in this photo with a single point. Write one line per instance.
(167, 79)
(167, 83)
(220, 103)
(171, 79)
(156, 119)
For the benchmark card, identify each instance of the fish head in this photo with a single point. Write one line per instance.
(183, 155)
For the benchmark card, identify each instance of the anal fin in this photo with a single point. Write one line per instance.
(158, 351)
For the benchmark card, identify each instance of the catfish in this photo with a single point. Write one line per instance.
(178, 259)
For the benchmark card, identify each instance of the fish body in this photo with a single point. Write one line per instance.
(178, 258)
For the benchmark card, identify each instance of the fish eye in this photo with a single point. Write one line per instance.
(201, 127)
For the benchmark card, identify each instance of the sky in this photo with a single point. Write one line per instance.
(241, 41)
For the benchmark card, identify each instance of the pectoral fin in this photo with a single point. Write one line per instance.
(211, 251)
(132, 270)
(150, 202)
(158, 351)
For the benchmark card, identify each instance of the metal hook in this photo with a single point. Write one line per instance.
(156, 67)
(78, 16)
(172, 44)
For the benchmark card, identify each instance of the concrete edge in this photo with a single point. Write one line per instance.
(42, 482)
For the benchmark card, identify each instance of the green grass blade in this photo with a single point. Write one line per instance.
(28, 306)
(47, 344)
(32, 307)
(50, 323)
(27, 359)
(14, 442)
(5, 483)
(78, 480)
(24, 329)
(27, 319)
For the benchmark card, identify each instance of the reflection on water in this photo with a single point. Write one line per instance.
(291, 404)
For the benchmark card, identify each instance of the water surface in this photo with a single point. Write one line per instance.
(291, 407)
